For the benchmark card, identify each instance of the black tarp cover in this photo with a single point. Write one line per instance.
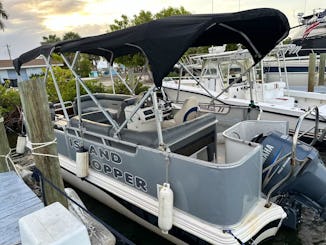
(164, 41)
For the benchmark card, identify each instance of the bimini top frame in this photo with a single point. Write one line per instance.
(165, 40)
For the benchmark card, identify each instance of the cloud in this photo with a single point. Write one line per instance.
(48, 7)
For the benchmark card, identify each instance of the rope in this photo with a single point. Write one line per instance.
(9, 160)
(231, 233)
(43, 179)
(42, 145)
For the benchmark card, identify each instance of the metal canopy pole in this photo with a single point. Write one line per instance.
(49, 67)
(77, 92)
(198, 82)
(111, 75)
(180, 74)
(223, 90)
(141, 102)
(113, 88)
(279, 67)
(157, 120)
(123, 81)
(285, 68)
(106, 114)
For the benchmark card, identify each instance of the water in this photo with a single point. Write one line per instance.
(311, 231)
(133, 231)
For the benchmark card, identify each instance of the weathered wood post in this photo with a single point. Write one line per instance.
(311, 72)
(322, 69)
(40, 130)
(4, 147)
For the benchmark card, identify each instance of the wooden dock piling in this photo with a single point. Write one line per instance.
(311, 72)
(322, 69)
(4, 147)
(40, 130)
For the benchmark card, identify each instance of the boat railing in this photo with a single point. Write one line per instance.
(183, 78)
(225, 108)
(292, 156)
(58, 107)
(296, 135)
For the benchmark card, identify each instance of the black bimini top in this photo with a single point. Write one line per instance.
(164, 41)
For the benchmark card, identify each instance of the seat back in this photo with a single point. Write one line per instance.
(188, 111)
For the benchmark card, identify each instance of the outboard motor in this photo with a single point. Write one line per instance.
(293, 186)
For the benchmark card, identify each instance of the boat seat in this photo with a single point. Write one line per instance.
(114, 104)
(107, 101)
(184, 138)
(187, 112)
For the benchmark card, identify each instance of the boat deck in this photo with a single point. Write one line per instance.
(17, 200)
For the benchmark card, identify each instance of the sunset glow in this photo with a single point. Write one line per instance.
(65, 22)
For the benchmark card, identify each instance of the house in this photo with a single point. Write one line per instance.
(34, 67)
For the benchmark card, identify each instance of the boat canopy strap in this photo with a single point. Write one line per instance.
(164, 41)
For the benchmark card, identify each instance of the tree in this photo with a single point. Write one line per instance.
(3, 15)
(171, 11)
(231, 47)
(50, 39)
(84, 66)
(287, 40)
(70, 36)
(143, 17)
(120, 24)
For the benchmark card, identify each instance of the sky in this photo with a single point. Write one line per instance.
(30, 20)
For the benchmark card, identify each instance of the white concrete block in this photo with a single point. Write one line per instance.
(52, 225)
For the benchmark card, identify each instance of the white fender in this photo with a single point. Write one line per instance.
(82, 163)
(165, 212)
(21, 144)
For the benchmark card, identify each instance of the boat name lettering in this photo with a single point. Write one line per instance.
(105, 154)
(118, 174)
(98, 152)
(267, 150)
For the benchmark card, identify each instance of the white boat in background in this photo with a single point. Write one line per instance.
(309, 37)
(284, 64)
(311, 34)
(228, 78)
(169, 170)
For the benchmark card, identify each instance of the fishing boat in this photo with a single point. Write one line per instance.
(229, 78)
(311, 34)
(174, 171)
(285, 64)
(292, 61)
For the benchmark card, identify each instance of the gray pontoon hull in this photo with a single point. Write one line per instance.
(220, 195)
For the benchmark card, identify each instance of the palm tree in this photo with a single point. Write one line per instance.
(50, 39)
(3, 15)
(70, 36)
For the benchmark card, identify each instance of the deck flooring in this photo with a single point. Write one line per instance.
(16, 201)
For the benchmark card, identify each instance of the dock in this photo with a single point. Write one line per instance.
(16, 201)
